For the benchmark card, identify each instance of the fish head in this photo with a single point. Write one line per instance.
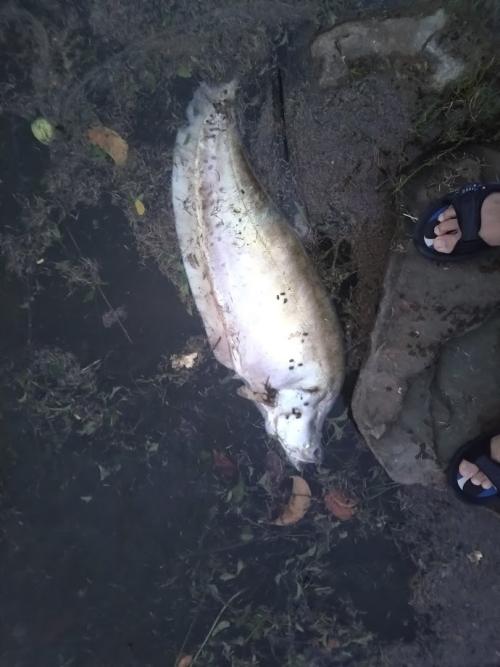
(296, 420)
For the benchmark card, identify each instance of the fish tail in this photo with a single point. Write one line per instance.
(206, 100)
(208, 97)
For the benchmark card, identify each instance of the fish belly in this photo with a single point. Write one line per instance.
(266, 314)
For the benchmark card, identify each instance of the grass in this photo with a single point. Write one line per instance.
(82, 274)
(469, 111)
(59, 398)
(466, 113)
(472, 9)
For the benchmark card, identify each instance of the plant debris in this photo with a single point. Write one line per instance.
(298, 504)
(113, 316)
(223, 464)
(188, 360)
(340, 505)
(110, 142)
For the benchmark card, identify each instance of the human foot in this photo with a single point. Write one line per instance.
(448, 230)
(470, 471)
(461, 224)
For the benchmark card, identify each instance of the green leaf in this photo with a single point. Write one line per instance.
(223, 625)
(42, 130)
(184, 71)
(246, 534)
(238, 492)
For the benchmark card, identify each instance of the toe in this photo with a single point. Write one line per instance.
(478, 478)
(447, 243)
(446, 215)
(495, 448)
(467, 469)
(486, 483)
(447, 226)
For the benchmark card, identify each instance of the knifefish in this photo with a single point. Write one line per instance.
(266, 314)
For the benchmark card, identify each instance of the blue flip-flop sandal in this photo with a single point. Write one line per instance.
(467, 202)
(476, 451)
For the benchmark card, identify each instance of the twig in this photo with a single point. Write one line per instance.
(388, 488)
(427, 163)
(214, 625)
(186, 638)
(101, 292)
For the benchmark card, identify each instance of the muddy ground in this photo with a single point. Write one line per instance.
(136, 498)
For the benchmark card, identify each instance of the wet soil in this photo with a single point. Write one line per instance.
(136, 500)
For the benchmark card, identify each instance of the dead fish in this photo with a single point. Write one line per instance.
(266, 314)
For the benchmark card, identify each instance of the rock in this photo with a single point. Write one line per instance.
(432, 377)
(466, 387)
(346, 43)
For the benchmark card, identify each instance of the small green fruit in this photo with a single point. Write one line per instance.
(42, 130)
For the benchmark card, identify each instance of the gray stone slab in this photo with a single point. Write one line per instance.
(411, 36)
(466, 388)
(432, 376)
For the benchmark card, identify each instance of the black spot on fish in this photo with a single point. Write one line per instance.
(290, 360)
(285, 300)
(271, 393)
(290, 368)
(297, 413)
(300, 364)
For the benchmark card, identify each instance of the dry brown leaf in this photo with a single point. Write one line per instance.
(110, 142)
(185, 661)
(298, 504)
(340, 505)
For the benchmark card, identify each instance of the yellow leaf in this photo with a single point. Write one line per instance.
(298, 504)
(42, 130)
(139, 207)
(110, 142)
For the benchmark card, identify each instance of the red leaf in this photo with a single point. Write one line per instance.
(340, 505)
(223, 464)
